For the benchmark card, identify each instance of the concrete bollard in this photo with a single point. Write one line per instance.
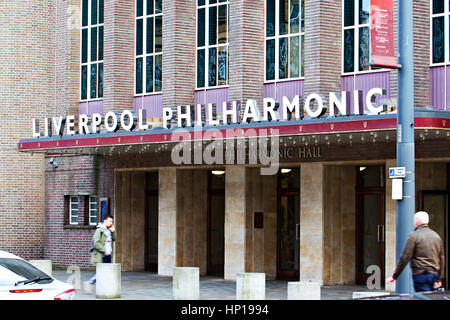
(186, 283)
(304, 290)
(108, 280)
(44, 265)
(251, 286)
(368, 294)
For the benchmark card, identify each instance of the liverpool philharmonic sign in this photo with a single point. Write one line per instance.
(314, 105)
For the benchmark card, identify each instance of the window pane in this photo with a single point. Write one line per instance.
(139, 36)
(349, 13)
(139, 8)
(158, 73)
(302, 58)
(94, 44)
(201, 2)
(100, 43)
(349, 41)
(284, 16)
(270, 18)
(295, 16)
(283, 59)
(201, 28)
(149, 7)
(270, 59)
(149, 35)
(149, 74)
(101, 10)
(158, 34)
(201, 68)
(222, 73)
(93, 81)
(438, 6)
(84, 45)
(294, 58)
(94, 12)
(212, 1)
(438, 40)
(138, 75)
(223, 36)
(212, 67)
(84, 82)
(364, 11)
(158, 6)
(364, 48)
(302, 16)
(85, 10)
(100, 80)
(212, 25)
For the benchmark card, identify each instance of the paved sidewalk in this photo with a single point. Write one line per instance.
(150, 286)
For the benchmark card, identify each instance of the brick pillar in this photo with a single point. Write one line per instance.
(311, 221)
(246, 32)
(421, 53)
(235, 203)
(322, 25)
(167, 232)
(179, 43)
(118, 65)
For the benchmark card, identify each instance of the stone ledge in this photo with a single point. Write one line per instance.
(73, 226)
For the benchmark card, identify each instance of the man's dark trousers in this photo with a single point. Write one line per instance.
(424, 281)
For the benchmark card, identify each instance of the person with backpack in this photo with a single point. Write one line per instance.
(101, 244)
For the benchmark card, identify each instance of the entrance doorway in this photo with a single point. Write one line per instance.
(151, 222)
(288, 229)
(436, 204)
(370, 223)
(216, 223)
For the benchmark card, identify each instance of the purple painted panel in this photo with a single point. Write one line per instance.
(278, 90)
(365, 82)
(447, 92)
(151, 103)
(217, 96)
(437, 87)
(90, 107)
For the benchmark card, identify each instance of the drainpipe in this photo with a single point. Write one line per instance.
(405, 208)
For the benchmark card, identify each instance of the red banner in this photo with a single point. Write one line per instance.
(382, 33)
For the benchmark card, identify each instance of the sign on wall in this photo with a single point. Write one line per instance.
(382, 33)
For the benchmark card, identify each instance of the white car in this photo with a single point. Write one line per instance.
(20, 280)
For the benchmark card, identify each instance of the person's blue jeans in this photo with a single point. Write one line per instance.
(424, 281)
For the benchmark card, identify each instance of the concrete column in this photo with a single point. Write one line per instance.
(108, 282)
(167, 230)
(390, 229)
(251, 286)
(235, 201)
(311, 222)
(44, 265)
(186, 283)
(305, 290)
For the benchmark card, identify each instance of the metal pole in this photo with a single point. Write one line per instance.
(405, 137)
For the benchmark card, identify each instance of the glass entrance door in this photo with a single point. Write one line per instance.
(370, 234)
(436, 204)
(288, 236)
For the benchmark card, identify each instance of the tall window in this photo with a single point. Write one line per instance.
(439, 28)
(356, 36)
(92, 49)
(93, 210)
(285, 39)
(73, 210)
(212, 43)
(148, 66)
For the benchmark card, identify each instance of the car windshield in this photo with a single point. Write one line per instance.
(13, 270)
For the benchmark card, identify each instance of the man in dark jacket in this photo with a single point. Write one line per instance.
(425, 250)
